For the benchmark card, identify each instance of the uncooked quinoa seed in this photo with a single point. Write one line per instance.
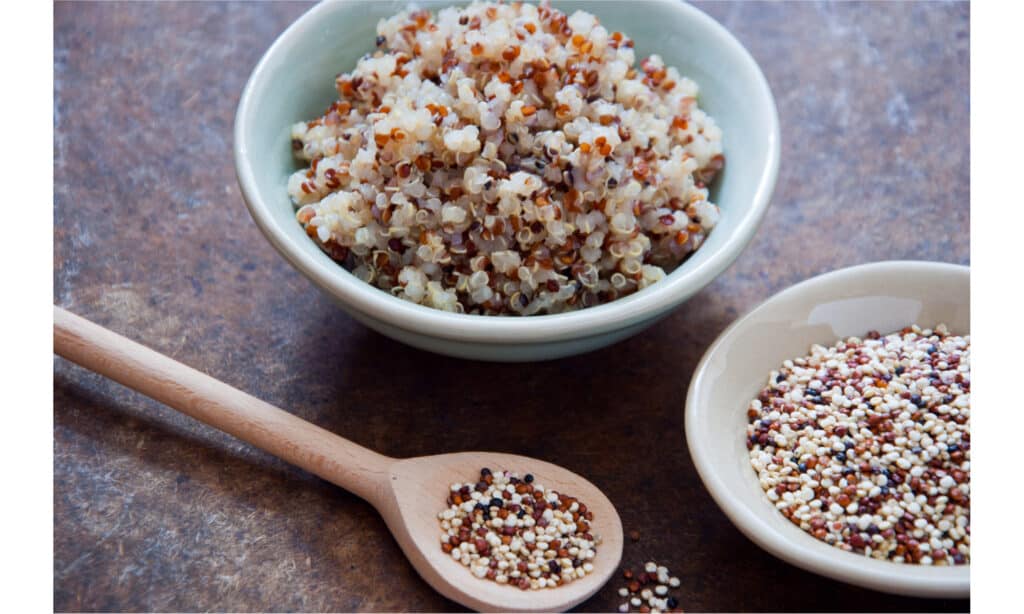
(515, 531)
(507, 159)
(866, 445)
(649, 591)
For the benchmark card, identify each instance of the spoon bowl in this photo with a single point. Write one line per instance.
(408, 493)
(418, 491)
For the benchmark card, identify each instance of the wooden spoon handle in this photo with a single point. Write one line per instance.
(200, 396)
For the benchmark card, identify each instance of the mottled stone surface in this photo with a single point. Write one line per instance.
(155, 512)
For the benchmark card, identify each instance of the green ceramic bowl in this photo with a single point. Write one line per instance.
(294, 81)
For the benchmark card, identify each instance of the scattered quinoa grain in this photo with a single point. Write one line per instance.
(647, 599)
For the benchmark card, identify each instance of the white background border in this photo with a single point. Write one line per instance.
(997, 151)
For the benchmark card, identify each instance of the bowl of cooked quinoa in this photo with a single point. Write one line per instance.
(832, 425)
(507, 181)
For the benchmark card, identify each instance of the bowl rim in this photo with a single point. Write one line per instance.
(834, 563)
(382, 306)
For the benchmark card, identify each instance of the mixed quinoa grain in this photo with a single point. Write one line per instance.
(649, 591)
(515, 531)
(866, 444)
(507, 159)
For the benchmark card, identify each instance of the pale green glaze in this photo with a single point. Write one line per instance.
(294, 81)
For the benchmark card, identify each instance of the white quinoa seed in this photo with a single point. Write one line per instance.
(507, 159)
(866, 444)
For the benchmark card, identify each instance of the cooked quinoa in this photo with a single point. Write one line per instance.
(507, 159)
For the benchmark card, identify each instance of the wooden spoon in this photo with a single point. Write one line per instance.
(408, 493)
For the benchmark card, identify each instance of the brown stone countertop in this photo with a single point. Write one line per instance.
(153, 511)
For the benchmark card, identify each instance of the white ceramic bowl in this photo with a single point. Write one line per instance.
(294, 81)
(884, 296)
